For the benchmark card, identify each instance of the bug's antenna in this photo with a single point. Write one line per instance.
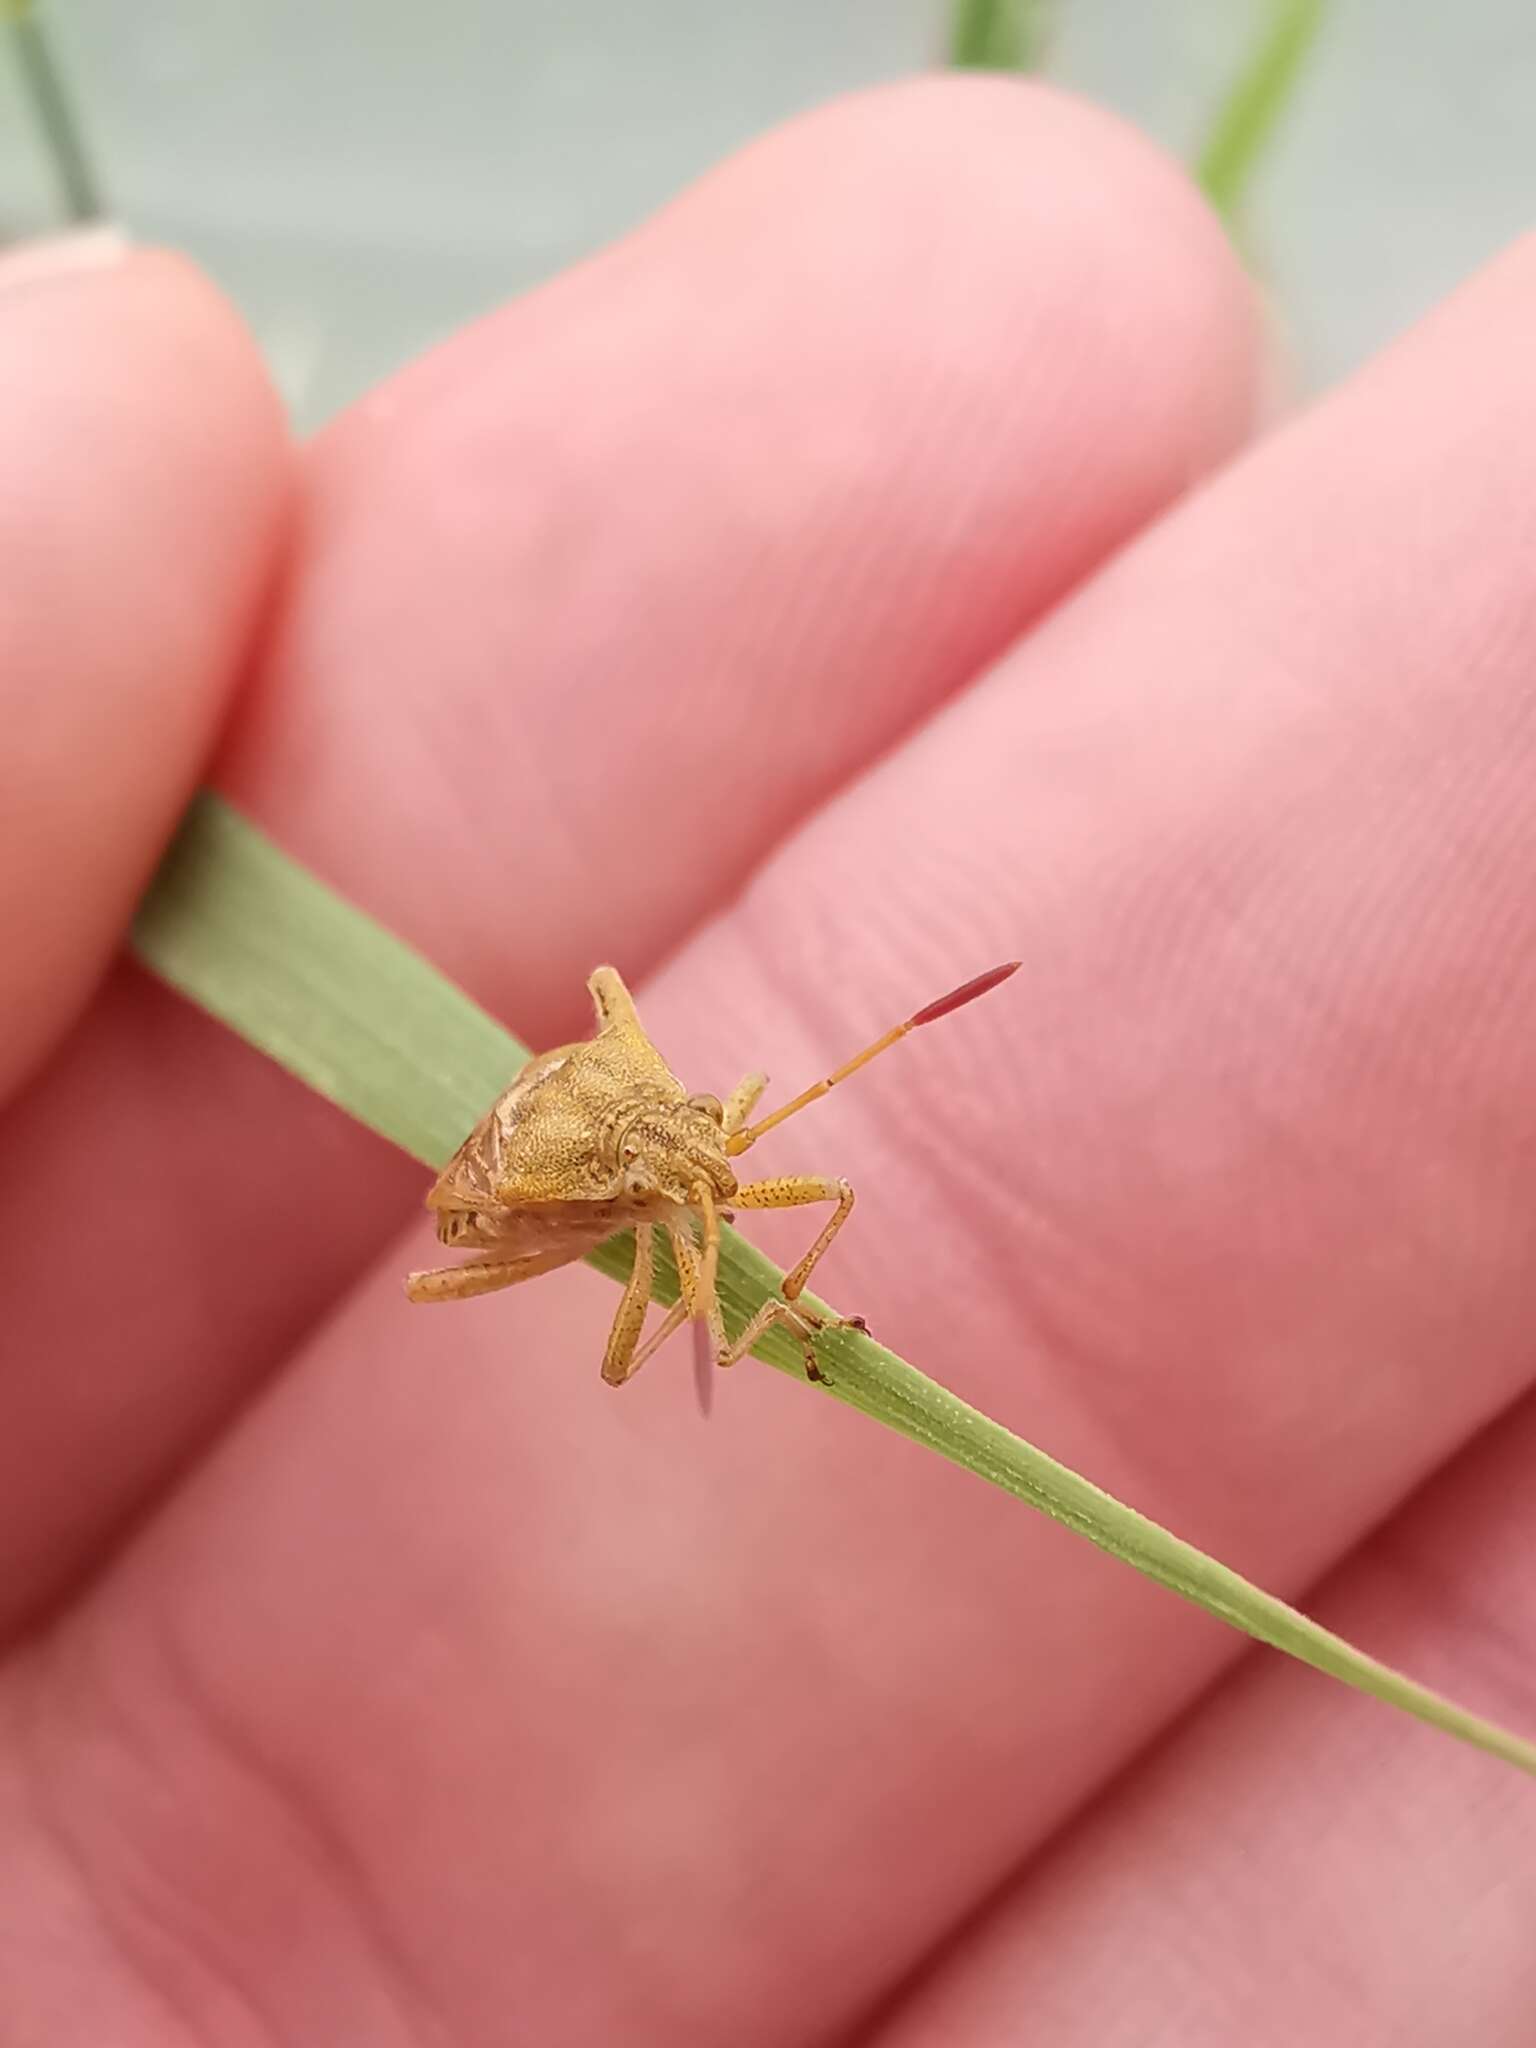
(930, 1014)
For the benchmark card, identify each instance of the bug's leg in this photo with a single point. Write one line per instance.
(799, 1326)
(620, 1360)
(671, 1323)
(699, 1301)
(794, 1192)
(791, 1193)
(686, 1307)
(696, 1299)
(741, 1102)
(483, 1276)
(709, 1270)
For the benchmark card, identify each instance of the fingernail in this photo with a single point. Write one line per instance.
(24, 264)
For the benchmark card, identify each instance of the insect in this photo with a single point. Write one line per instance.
(601, 1137)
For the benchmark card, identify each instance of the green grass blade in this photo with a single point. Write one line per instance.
(998, 35)
(253, 938)
(55, 117)
(1251, 112)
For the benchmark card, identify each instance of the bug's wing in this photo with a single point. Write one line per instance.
(475, 1173)
(465, 1182)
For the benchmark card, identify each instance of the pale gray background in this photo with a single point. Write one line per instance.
(365, 174)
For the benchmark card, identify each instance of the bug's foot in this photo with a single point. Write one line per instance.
(818, 1324)
(810, 1320)
(813, 1325)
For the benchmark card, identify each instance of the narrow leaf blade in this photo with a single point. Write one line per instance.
(997, 35)
(1248, 117)
(248, 934)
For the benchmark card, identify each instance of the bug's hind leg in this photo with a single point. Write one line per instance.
(482, 1276)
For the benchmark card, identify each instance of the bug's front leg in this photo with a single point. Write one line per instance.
(689, 1306)
(794, 1192)
(784, 1310)
(698, 1295)
(620, 1361)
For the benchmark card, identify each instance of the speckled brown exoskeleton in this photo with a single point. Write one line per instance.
(601, 1137)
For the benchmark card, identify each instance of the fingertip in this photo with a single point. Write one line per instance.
(989, 182)
(139, 514)
(840, 424)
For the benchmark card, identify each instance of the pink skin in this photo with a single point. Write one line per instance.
(450, 1698)
(784, 522)
(1293, 1864)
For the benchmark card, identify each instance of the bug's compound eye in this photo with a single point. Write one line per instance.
(711, 1105)
(629, 1152)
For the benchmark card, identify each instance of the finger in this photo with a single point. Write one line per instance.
(143, 474)
(1225, 1199)
(593, 602)
(1297, 1864)
(687, 538)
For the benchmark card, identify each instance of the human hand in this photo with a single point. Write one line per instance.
(380, 1677)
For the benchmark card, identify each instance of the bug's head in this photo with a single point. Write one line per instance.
(674, 1146)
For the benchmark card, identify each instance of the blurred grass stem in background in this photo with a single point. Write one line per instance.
(44, 87)
(1012, 35)
(999, 35)
(1249, 116)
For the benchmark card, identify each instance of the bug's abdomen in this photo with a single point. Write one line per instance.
(467, 1227)
(536, 1226)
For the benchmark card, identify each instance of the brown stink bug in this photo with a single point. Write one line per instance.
(601, 1137)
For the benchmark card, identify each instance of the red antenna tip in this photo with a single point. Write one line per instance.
(967, 992)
